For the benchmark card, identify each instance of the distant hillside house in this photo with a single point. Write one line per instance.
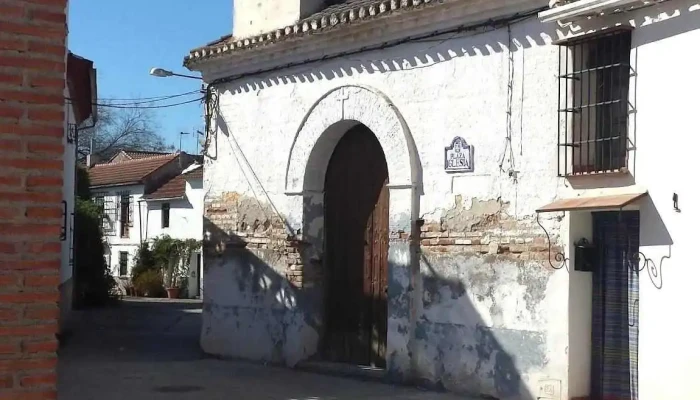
(144, 195)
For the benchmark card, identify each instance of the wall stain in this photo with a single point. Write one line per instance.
(481, 215)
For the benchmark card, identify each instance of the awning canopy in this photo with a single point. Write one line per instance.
(592, 203)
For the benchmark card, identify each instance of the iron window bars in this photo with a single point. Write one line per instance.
(594, 76)
(126, 212)
(108, 212)
(123, 263)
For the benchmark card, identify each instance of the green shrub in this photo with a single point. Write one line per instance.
(172, 256)
(94, 284)
(150, 284)
(145, 260)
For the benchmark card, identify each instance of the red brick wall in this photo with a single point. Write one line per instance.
(32, 67)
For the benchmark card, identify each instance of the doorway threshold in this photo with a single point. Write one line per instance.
(364, 372)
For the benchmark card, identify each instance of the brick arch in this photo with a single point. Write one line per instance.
(330, 117)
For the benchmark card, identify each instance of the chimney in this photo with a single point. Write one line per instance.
(92, 159)
(253, 17)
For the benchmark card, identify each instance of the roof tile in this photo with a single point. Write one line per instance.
(345, 13)
(174, 188)
(127, 172)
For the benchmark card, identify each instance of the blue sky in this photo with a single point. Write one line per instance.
(126, 38)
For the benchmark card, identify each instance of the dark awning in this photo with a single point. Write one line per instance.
(592, 203)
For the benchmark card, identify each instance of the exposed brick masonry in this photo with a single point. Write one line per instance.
(508, 238)
(232, 223)
(229, 229)
(32, 68)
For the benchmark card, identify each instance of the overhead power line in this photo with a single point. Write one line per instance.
(150, 101)
(155, 98)
(122, 106)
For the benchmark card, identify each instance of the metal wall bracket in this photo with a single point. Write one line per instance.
(560, 260)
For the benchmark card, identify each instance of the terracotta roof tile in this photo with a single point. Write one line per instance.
(127, 172)
(176, 187)
(196, 174)
(125, 155)
(134, 154)
(334, 16)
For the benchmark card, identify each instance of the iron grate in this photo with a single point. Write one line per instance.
(594, 76)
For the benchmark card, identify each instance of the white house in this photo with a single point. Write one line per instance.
(405, 185)
(145, 195)
(81, 95)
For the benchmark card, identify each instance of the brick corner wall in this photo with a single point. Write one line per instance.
(32, 80)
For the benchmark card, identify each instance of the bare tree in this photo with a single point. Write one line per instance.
(121, 129)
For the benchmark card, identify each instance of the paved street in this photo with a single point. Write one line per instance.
(149, 350)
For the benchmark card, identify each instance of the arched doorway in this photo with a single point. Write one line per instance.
(356, 244)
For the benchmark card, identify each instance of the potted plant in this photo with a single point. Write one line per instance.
(174, 258)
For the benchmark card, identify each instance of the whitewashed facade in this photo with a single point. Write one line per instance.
(145, 222)
(81, 93)
(474, 303)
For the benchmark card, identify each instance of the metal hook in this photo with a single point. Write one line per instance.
(558, 257)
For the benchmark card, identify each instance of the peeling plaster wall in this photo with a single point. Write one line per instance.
(473, 305)
(490, 315)
(253, 277)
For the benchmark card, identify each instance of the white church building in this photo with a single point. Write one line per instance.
(489, 197)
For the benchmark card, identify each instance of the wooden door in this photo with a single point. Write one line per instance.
(356, 248)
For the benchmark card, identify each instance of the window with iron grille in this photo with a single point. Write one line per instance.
(109, 216)
(99, 200)
(107, 211)
(165, 215)
(125, 213)
(593, 104)
(123, 263)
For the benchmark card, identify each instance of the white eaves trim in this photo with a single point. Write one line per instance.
(191, 168)
(585, 8)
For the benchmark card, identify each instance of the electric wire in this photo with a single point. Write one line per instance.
(146, 100)
(127, 107)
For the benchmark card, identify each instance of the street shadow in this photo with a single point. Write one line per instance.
(481, 41)
(655, 242)
(255, 313)
(468, 352)
(135, 330)
(683, 17)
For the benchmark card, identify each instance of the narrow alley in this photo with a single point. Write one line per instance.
(148, 349)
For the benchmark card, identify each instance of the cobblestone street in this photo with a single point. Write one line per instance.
(149, 350)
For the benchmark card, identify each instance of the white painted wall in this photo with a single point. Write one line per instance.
(443, 89)
(185, 215)
(182, 215)
(185, 223)
(666, 120)
(186, 218)
(434, 87)
(663, 91)
(69, 174)
(253, 17)
(460, 87)
(118, 244)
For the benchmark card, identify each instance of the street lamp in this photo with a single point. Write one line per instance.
(164, 73)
